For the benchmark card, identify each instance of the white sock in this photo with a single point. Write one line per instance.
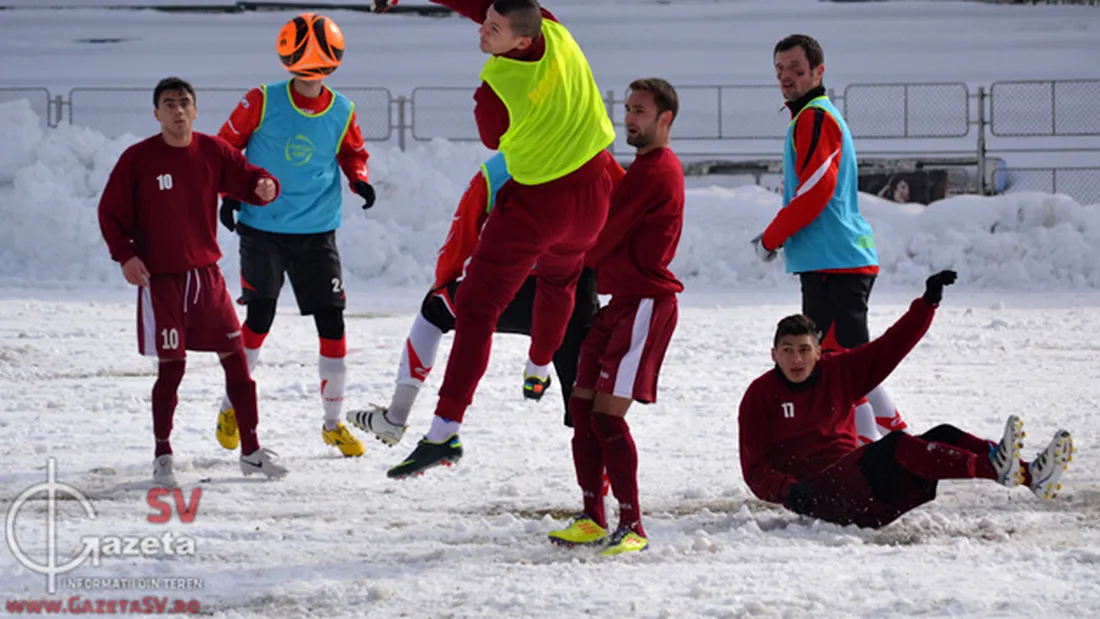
(404, 396)
(334, 374)
(542, 371)
(252, 356)
(886, 412)
(866, 427)
(442, 429)
(418, 356)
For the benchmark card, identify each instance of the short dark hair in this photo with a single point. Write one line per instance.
(524, 16)
(169, 84)
(795, 324)
(814, 54)
(663, 94)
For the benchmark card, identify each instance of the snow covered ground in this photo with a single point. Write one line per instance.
(1016, 334)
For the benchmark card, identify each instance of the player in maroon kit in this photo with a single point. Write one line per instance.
(798, 436)
(539, 105)
(621, 356)
(159, 215)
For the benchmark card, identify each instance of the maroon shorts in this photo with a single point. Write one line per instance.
(625, 347)
(844, 496)
(187, 311)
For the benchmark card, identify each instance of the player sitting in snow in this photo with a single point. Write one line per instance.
(799, 445)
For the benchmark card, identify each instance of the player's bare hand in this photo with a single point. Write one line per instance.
(266, 189)
(135, 272)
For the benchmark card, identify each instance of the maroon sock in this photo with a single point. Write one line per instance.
(620, 456)
(169, 375)
(935, 460)
(242, 394)
(951, 435)
(588, 459)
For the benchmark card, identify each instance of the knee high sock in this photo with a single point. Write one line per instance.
(252, 343)
(242, 393)
(417, 359)
(588, 459)
(867, 429)
(885, 411)
(620, 456)
(333, 373)
(165, 389)
(935, 460)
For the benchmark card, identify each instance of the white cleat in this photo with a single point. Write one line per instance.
(374, 420)
(262, 461)
(163, 475)
(1047, 467)
(1006, 455)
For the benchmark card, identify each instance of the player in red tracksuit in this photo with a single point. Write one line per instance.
(158, 215)
(799, 445)
(622, 355)
(540, 106)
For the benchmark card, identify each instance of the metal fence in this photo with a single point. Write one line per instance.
(948, 119)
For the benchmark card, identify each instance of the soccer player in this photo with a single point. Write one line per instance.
(158, 217)
(799, 446)
(305, 133)
(538, 105)
(437, 317)
(622, 355)
(824, 237)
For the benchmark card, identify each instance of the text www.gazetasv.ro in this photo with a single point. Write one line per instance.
(80, 605)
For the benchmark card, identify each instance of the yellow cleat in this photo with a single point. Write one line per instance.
(343, 439)
(582, 531)
(227, 432)
(625, 540)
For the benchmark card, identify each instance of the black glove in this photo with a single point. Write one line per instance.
(381, 6)
(364, 189)
(226, 212)
(800, 499)
(933, 287)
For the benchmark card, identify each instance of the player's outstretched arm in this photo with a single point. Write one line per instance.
(474, 9)
(868, 365)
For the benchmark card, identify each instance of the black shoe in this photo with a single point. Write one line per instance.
(534, 387)
(427, 455)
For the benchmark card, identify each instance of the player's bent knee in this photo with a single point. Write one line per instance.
(330, 323)
(260, 315)
(943, 433)
(435, 310)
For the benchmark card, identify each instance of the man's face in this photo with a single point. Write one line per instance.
(497, 37)
(176, 111)
(642, 120)
(796, 356)
(792, 71)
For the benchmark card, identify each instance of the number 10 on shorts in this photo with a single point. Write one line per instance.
(169, 339)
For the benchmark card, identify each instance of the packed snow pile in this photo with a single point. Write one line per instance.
(51, 180)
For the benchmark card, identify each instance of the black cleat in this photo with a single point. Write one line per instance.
(428, 455)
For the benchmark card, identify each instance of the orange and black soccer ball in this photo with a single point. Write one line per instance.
(311, 46)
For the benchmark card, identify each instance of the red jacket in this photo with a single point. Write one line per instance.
(817, 137)
(639, 240)
(161, 202)
(352, 155)
(790, 431)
